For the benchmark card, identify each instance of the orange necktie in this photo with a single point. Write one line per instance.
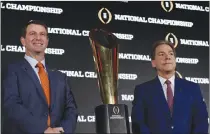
(45, 85)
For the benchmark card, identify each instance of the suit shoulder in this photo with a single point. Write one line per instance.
(144, 85)
(10, 68)
(188, 83)
(14, 65)
(19, 62)
(58, 73)
(190, 87)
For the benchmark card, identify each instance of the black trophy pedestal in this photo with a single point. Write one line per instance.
(112, 118)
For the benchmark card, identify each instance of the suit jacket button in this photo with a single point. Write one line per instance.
(46, 114)
(172, 127)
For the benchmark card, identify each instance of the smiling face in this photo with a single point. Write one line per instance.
(164, 60)
(35, 40)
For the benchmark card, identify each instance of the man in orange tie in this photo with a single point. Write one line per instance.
(36, 99)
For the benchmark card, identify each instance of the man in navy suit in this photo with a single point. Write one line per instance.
(168, 104)
(27, 109)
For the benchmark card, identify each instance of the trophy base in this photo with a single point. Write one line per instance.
(112, 118)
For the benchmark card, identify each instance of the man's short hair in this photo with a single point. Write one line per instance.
(38, 22)
(161, 42)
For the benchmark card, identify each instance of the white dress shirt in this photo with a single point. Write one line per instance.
(33, 62)
(164, 85)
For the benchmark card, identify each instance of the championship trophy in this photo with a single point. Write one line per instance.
(111, 117)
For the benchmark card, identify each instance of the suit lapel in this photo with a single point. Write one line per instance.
(53, 86)
(178, 97)
(160, 97)
(29, 70)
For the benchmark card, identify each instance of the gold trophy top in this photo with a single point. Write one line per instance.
(105, 55)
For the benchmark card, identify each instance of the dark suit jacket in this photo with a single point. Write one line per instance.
(150, 112)
(25, 106)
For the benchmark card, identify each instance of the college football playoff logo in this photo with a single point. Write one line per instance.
(167, 5)
(104, 15)
(172, 38)
(116, 110)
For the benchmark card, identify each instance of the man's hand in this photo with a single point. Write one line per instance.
(58, 129)
(49, 130)
(54, 130)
